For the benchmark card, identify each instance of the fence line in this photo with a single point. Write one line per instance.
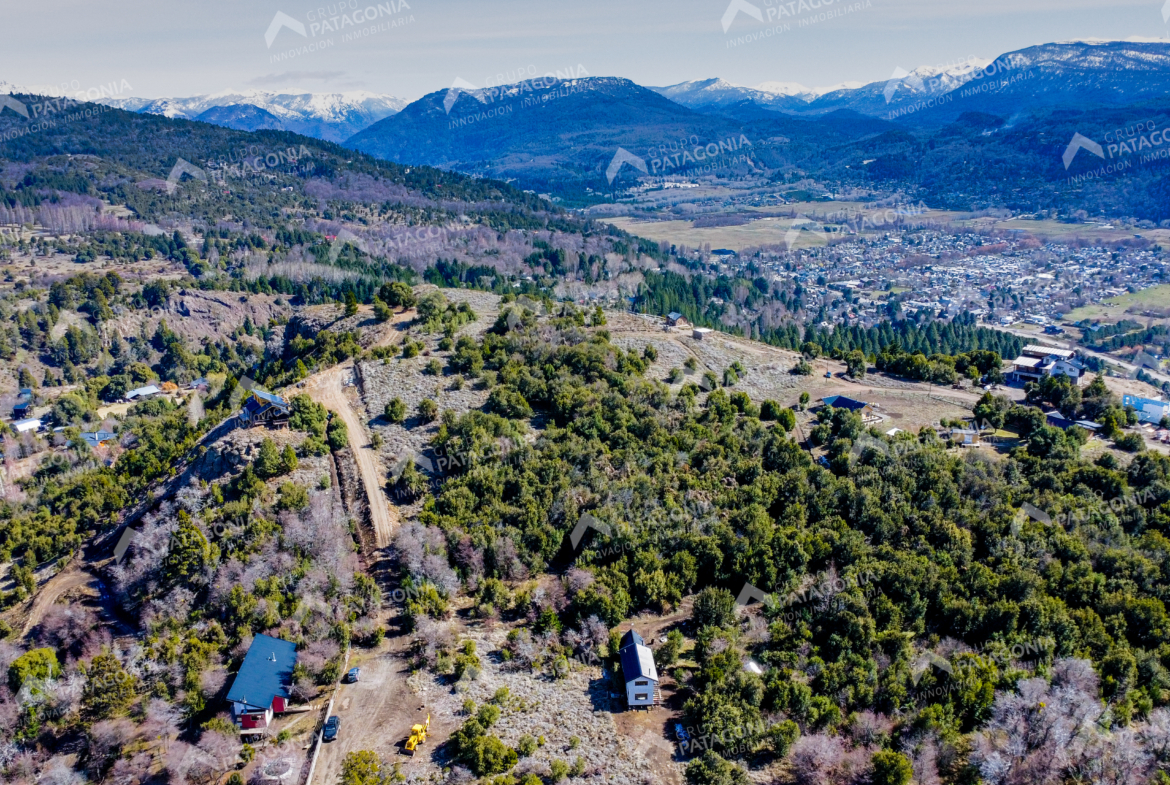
(328, 711)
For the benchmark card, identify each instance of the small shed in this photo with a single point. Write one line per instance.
(261, 689)
(676, 319)
(701, 332)
(22, 409)
(639, 671)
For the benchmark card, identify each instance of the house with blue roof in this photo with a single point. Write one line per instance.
(263, 408)
(1147, 409)
(868, 415)
(263, 686)
(639, 672)
(96, 439)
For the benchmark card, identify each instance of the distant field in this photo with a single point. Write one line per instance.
(766, 231)
(772, 231)
(1156, 298)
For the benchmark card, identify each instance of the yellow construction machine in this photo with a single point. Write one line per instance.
(418, 734)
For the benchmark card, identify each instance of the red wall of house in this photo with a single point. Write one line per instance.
(248, 721)
(278, 704)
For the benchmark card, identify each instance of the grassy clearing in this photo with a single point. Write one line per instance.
(1156, 298)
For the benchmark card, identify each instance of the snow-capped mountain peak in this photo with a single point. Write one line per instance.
(331, 116)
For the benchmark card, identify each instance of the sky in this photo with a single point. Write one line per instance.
(408, 48)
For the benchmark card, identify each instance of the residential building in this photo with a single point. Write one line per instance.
(965, 437)
(27, 426)
(262, 408)
(96, 439)
(1037, 362)
(638, 670)
(865, 410)
(262, 688)
(1147, 409)
(139, 393)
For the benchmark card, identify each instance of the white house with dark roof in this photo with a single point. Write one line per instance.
(1036, 362)
(639, 672)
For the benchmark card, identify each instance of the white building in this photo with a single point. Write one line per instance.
(143, 392)
(1036, 362)
(638, 670)
(27, 426)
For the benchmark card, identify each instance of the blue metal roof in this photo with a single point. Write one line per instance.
(637, 661)
(95, 438)
(266, 672)
(269, 397)
(1148, 410)
(260, 400)
(841, 402)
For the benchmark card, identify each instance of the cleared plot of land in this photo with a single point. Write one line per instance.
(1149, 303)
(866, 219)
(765, 231)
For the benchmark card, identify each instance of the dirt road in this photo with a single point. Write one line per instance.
(71, 577)
(376, 714)
(328, 389)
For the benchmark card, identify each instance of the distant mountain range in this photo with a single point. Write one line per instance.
(333, 117)
(970, 136)
(1077, 74)
(549, 136)
(714, 94)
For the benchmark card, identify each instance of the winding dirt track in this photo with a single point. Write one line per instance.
(70, 578)
(328, 389)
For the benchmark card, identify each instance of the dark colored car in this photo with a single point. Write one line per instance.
(332, 726)
(352, 675)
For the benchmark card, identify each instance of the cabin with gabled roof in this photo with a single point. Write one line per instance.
(639, 672)
(262, 688)
(262, 408)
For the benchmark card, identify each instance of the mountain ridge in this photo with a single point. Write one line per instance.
(332, 117)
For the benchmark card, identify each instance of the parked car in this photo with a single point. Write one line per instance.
(332, 726)
(352, 676)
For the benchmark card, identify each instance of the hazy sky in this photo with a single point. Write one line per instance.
(189, 47)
